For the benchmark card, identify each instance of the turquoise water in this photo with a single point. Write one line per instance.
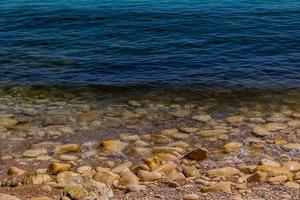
(200, 44)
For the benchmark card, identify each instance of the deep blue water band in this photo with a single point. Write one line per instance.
(223, 44)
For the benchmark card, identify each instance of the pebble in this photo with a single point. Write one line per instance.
(112, 146)
(212, 133)
(67, 148)
(106, 176)
(224, 171)
(276, 126)
(221, 186)
(128, 178)
(15, 171)
(118, 169)
(261, 131)
(56, 167)
(291, 146)
(167, 168)
(7, 197)
(292, 185)
(235, 119)
(198, 154)
(7, 122)
(33, 153)
(257, 177)
(149, 176)
(202, 182)
(190, 197)
(202, 118)
(269, 162)
(190, 171)
(65, 157)
(292, 166)
(232, 147)
(273, 170)
(280, 178)
(135, 188)
(40, 198)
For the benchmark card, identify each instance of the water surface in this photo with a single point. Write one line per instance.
(220, 44)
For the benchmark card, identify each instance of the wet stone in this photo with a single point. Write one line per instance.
(197, 154)
(33, 153)
(56, 167)
(212, 133)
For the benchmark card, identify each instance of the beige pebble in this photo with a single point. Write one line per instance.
(190, 197)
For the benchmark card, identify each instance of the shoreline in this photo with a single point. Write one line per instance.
(141, 148)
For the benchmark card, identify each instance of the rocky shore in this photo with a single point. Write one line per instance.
(145, 149)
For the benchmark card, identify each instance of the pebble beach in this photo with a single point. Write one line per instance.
(148, 148)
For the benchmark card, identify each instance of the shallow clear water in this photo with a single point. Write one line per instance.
(200, 44)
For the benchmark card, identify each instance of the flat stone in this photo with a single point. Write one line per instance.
(85, 169)
(198, 154)
(33, 153)
(161, 139)
(118, 169)
(277, 117)
(56, 167)
(273, 170)
(67, 177)
(292, 185)
(276, 126)
(179, 144)
(212, 133)
(180, 136)
(291, 146)
(235, 119)
(278, 179)
(296, 114)
(294, 123)
(6, 121)
(224, 172)
(188, 129)
(66, 157)
(40, 198)
(190, 197)
(292, 166)
(150, 176)
(38, 179)
(168, 150)
(175, 176)
(15, 171)
(221, 186)
(141, 150)
(135, 188)
(202, 118)
(167, 167)
(257, 177)
(152, 162)
(261, 131)
(112, 146)
(232, 147)
(166, 156)
(8, 197)
(139, 167)
(106, 177)
(190, 171)
(128, 178)
(269, 162)
(130, 138)
(67, 148)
